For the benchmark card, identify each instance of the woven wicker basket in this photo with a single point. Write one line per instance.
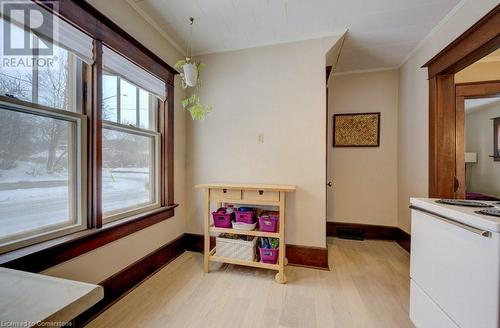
(236, 248)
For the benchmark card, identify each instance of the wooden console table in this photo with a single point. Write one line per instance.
(246, 194)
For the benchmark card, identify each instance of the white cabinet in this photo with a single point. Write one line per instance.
(455, 273)
(424, 312)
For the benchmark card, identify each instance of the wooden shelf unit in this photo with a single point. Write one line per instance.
(245, 232)
(246, 194)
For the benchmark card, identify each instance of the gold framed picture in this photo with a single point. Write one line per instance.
(356, 130)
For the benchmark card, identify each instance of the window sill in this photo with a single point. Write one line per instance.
(38, 257)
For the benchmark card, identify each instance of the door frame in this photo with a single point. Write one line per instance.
(328, 70)
(463, 91)
(478, 41)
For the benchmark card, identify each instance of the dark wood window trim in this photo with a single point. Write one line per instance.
(38, 257)
(479, 40)
(41, 256)
(85, 17)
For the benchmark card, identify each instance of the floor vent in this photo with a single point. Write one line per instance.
(351, 233)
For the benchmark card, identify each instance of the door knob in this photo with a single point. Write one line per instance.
(329, 184)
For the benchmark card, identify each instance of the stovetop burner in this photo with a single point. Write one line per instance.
(461, 202)
(490, 211)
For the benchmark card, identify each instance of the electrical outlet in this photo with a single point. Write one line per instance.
(260, 138)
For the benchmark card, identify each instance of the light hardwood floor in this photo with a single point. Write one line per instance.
(367, 286)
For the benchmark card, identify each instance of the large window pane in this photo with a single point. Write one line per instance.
(110, 98)
(46, 80)
(15, 81)
(144, 110)
(128, 174)
(53, 82)
(37, 173)
(128, 103)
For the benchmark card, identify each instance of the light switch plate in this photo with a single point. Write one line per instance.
(260, 138)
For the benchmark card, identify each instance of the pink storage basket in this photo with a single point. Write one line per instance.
(269, 255)
(222, 220)
(246, 216)
(269, 223)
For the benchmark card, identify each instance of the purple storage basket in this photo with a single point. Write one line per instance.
(246, 216)
(222, 220)
(269, 255)
(269, 223)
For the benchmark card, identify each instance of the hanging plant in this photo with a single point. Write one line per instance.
(190, 75)
(190, 72)
(197, 109)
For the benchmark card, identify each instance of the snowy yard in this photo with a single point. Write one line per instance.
(28, 202)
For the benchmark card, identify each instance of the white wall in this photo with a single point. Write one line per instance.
(103, 262)
(365, 179)
(483, 176)
(414, 104)
(278, 91)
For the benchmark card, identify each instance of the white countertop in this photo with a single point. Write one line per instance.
(31, 298)
(462, 214)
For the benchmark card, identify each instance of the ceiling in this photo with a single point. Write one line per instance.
(381, 33)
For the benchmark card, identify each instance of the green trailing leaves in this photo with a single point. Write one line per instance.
(197, 110)
(192, 103)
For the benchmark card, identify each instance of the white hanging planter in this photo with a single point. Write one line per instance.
(190, 74)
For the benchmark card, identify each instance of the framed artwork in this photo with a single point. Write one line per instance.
(356, 130)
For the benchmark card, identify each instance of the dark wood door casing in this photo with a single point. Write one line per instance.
(445, 143)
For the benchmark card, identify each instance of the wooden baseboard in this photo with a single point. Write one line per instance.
(372, 231)
(123, 282)
(306, 256)
(404, 240)
(194, 242)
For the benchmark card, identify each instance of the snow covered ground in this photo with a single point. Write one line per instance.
(29, 202)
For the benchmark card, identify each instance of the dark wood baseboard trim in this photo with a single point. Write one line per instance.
(126, 280)
(404, 240)
(123, 282)
(306, 256)
(194, 242)
(372, 231)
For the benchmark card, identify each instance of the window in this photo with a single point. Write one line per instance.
(127, 104)
(130, 149)
(42, 187)
(61, 169)
(40, 176)
(129, 174)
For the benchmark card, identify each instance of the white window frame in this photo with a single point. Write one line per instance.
(78, 179)
(154, 174)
